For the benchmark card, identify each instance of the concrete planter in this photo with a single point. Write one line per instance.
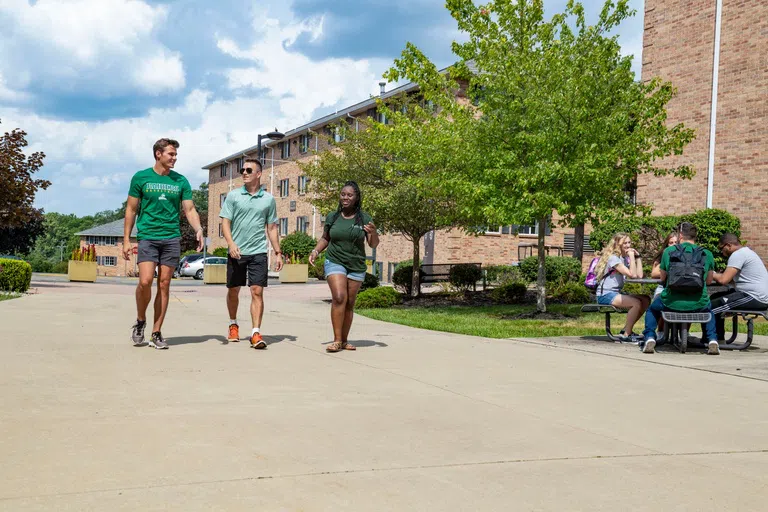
(294, 273)
(84, 271)
(215, 274)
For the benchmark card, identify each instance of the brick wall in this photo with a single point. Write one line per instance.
(122, 268)
(678, 46)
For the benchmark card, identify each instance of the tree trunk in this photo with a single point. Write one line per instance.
(541, 290)
(415, 281)
(578, 242)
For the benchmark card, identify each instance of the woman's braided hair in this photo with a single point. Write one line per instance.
(358, 206)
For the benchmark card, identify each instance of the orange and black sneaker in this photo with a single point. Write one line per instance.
(257, 341)
(234, 333)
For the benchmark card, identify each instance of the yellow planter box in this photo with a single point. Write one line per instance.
(294, 273)
(84, 271)
(215, 274)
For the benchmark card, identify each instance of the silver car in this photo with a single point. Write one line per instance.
(195, 268)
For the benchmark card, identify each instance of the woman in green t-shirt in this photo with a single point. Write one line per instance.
(345, 232)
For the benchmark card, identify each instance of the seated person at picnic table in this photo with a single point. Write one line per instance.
(686, 291)
(746, 270)
(618, 261)
(671, 239)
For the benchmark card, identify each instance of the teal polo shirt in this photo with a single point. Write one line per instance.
(249, 215)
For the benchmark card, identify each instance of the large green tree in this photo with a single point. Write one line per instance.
(560, 123)
(394, 164)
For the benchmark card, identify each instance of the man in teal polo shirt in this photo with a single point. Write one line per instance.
(249, 214)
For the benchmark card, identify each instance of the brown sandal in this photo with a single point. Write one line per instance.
(348, 346)
(336, 346)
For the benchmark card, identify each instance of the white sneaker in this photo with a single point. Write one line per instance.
(650, 346)
(713, 348)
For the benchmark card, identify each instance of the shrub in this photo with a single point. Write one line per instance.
(318, 269)
(382, 297)
(187, 253)
(402, 278)
(558, 269)
(639, 289)
(512, 292)
(464, 276)
(221, 252)
(15, 275)
(87, 253)
(61, 267)
(40, 264)
(571, 293)
(500, 274)
(297, 244)
(370, 281)
(648, 233)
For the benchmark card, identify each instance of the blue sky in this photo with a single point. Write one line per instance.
(96, 82)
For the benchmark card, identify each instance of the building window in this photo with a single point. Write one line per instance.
(339, 134)
(495, 230)
(106, 261)
(293, 206)
(283, 226)
(303, 180)
(101, 240)
(263, 156)
(302, 224)
(285, 150)
(223, 171)
(221, 233)
(222, 198)
(381, 117)
(285, 186)
(304, 142)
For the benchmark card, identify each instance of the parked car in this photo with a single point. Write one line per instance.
(188, 258)
(195, 268)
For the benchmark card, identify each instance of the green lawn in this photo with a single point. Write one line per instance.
(489, 321)
(7, 296)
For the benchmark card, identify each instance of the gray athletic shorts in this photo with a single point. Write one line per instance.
(161, 252)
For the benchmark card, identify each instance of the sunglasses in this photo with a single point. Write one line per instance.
(248, 170)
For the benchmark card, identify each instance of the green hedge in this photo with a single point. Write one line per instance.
(558, 269)
(297, 244)
(15, 275)
(464, 276)
(382, 297)
(221, 252)
(648, 233)
(500, 274)
(510, 293)
(570, 293)
(402, 278)
(370, 281)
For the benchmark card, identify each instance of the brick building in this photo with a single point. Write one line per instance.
(721, 54)
(283, 178)
(108, 239)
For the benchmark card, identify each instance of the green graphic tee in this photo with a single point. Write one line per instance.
(160, 200)
(347, 245)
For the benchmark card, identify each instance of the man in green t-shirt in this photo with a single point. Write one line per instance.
(157, 194)
(687, 301)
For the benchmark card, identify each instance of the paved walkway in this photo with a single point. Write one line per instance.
(414, 420)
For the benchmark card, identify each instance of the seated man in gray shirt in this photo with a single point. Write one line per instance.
(747, 271)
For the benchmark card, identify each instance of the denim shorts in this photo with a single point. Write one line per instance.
(332, 268)
(606, 299)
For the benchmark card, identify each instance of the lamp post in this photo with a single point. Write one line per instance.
(275, 135)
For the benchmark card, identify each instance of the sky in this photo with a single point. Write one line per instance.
(95, 82)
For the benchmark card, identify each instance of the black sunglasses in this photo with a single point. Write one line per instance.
(248, 170)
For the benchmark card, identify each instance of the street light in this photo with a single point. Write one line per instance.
(275, 135)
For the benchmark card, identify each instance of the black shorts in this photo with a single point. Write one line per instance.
(160, 252)
(249, 270)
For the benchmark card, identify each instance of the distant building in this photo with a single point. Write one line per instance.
(108, 239)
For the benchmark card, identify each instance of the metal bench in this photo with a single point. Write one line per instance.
(608, 311)
(441, 273)
(676, 327)
(749, 316)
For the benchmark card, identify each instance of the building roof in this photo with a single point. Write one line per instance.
(114, 228)
(320, 122)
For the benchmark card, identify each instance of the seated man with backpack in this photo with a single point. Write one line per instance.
(747, 271)
(686, 269)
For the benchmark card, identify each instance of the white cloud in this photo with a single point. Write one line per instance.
(299, 84)
(104, 46)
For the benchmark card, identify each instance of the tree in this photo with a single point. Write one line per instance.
(188, 236)
(393, 164)
(17, 187)
(559, 122)
(20, 240)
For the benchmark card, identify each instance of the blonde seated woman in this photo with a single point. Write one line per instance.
(619, 261)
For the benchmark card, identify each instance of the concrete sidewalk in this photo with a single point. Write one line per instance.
(413, 420)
